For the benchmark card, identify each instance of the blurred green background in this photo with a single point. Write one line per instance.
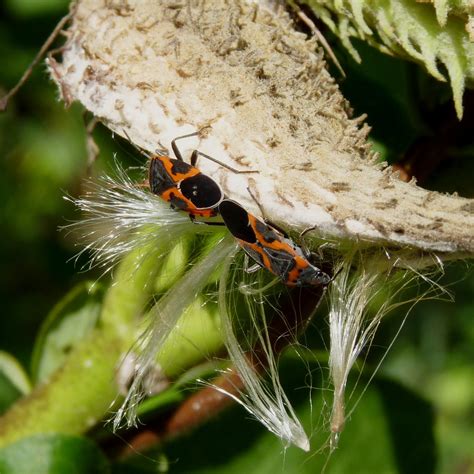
(44, 157)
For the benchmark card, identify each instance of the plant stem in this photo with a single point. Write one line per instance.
(79, 394)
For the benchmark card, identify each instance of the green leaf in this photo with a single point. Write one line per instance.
(407, 29)
(69, 322)
(195, 337)
(12, 370)
(53, 454)
(173, 266)
(14, 381)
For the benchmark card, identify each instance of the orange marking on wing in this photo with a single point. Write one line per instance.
(265, 258)
(300, 264)
(190, 207)
(171, 193)
(276, 244)
(166, 195)
(177, 177)
(281, 245)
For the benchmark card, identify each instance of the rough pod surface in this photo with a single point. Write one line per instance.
(156, 70)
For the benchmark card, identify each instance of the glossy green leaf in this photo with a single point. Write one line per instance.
(53, 454)
(69, 322)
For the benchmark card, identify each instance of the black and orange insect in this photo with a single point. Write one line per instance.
(187, 189)
(271, 248)
(183, 185)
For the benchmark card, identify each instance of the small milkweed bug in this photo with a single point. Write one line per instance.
(183, 185)
(271, 248)
(187, 189)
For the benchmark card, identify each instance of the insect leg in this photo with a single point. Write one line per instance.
(140, 150)
(194, 221)
(175, 148)
(304, 247)
(255, 267)
(209, 223)
(306, 251)
(197, 153)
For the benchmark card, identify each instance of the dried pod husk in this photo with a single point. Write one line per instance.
(156, 70)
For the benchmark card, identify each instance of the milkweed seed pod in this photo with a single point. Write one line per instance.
(158, 69)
